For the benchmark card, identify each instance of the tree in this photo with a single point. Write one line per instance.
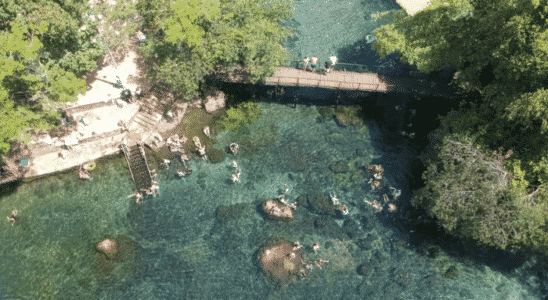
(507, 39)
(248, 33)
(182, 25)
(469, 193)
(192, 38)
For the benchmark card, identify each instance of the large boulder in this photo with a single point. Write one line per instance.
(277, 210)
(281, 262)
(214, 100)
(108, 247)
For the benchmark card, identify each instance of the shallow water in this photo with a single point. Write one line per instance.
(190, 254)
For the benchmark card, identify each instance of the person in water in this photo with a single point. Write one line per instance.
(84, 174)
(14, 217)
(234, 148)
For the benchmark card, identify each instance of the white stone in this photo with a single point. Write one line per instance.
(214, 100)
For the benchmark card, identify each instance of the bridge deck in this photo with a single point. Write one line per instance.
(344, 80)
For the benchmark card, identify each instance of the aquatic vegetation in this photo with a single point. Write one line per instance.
(451, 272)
(348, 115)
(216, 155)
(195, 252)
(244, 114)
(289, 265)
(224, 214)
(343, 115)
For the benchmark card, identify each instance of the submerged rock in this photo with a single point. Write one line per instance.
(339, 167)
(319, 204)
(119, 261)
(108, 247)
(224, 213)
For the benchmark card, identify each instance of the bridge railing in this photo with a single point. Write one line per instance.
(298, 64)
(125, 150)
(296, 81)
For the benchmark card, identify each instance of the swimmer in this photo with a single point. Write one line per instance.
(334, 199)
(137, 196)
(235, 178)
(234, 148)
(14, 217)
(315, 247)
(234, 164)
(320, 261)
(207, 132)
(293, 205)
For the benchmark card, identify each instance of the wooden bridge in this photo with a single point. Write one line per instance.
(341, 79)
(138, 166)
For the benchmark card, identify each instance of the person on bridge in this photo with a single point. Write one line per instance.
(314, 61)
(305, 62)
(333, 59)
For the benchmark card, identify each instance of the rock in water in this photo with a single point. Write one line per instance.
(280, 262)
(108, 247)
(119, 261)
(277, 210)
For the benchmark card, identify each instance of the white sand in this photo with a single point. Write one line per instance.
(102, 91)
(413, 6)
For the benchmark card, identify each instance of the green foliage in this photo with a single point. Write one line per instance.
(154, 12)
(237, 117)
(174, 65)
(182, 25)
(125, 19)
(468, 192)
(63, 85)
(470, 35)
(249, 33)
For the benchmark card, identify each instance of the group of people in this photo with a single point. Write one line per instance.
(314, 63)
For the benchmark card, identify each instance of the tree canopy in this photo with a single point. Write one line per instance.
(191, 38)
(500, 48)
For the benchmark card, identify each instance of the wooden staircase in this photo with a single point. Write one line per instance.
(138, 166)
(146, 119)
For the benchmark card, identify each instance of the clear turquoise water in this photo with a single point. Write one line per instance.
(188, 254)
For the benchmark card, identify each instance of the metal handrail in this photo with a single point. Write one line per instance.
(146, 162)
(125, 150)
